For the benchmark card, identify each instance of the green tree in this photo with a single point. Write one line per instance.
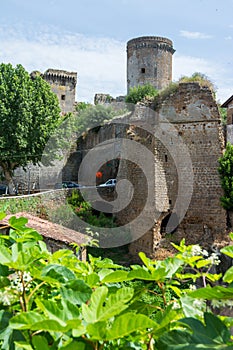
(94, 116)
(226, 175)
(138, 93)
(223, 114)
(29, 113)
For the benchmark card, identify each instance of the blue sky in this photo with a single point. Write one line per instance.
(89, 37)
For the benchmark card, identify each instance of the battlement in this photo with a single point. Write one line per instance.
(63, 84)
(155, 42)
(149, 61)
(60, 75)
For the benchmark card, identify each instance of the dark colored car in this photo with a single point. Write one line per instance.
(66, 184)
(3, 189)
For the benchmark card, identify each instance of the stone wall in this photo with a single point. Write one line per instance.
(63, 84)
(149, 60)
(192, 115)
(188, 118)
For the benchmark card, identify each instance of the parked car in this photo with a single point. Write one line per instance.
(109, 183)
(66, 184)
(3, 189)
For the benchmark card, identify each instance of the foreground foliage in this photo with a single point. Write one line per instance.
(225, 170)
(54, 301)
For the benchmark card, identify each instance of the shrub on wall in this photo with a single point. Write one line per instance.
(138, 93)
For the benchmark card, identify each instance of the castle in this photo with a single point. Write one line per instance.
(185, 140)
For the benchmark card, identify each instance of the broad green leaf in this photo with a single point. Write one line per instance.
(228, 251)
(97, 331)
(128, 323)
(116, 276)
(192, 308)
(92, 313)
(146, 261)
(104, 272)
(50, 326)
(211, 335)
(171, 265)
(217, 292)
(18, 224)
(2, 215)
(73, 345)
(4, 281)
(103, 306)
(25, 320)
(106, 264)
(92, 280)
(24, 345)
(228, 277)
(39, 342)
(141, 273)
(214, 332)
(76, 291)
(165, 317)
(175, 340)
(4, 270)
(5, 255)
(58, 273)
(57, 311)
(176, 290)
(30, 235)
(202, 263)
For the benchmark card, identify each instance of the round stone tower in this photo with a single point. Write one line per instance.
(149, 61)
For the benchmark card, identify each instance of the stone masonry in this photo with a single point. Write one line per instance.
(63, 84)
(185, 140)
(193, 115)
(149, 60)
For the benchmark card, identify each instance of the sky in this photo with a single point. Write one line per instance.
(89, 37)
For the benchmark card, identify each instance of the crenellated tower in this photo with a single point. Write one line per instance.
(63, 84)
(149, 60)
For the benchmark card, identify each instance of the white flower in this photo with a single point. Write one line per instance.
(196, 250)
(214, 259)
(176, 305)
(192, 287)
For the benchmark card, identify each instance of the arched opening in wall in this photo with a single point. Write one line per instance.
(169, 224)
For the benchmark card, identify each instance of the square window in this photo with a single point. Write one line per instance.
(143, 70)
(63, 97)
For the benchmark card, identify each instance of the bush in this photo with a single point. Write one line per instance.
(200, 78)
(54, 301)
(225, 170)
(93, 117)
(140, 92)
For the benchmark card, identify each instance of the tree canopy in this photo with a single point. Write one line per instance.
(29, 113)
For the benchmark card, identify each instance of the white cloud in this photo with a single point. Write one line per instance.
(187, 65)
(194, 35)
(99, 62)
(229, 37)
